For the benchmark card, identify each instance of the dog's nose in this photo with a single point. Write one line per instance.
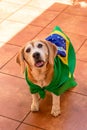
(36, 55)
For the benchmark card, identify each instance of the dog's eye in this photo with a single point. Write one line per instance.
(39, 45)
(28, 50)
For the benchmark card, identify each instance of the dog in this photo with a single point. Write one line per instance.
(37, 59)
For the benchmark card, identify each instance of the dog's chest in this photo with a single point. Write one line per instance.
(40, 78)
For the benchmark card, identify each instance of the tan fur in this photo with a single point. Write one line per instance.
(20, 59)
(41, 76)
(52, 51)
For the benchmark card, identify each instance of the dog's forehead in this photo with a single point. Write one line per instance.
(33, 44)
(28, 45)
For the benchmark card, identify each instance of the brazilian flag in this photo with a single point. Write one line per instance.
(66, 51)
(64, 65)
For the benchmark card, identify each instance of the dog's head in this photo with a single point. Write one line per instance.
(37, 54)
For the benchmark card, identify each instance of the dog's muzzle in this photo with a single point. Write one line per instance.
(38, 61)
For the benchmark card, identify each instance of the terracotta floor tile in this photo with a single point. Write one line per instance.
(45, 18)
(71, 23)
(28, 127)
(81, 77)
(27, 34)
(77, 10)
(6, 53)
(7, 124)
(15, 99)
(76, 39)
(44, 33)
(73, 114)
(12, 68)
(82, 53)
(57, 7)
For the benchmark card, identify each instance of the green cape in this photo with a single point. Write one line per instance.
(63, 71)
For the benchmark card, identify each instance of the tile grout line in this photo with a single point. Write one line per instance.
(81, 46)
(14, 45)
(11, 75)
(30, 112)
(10, 58)
(52, 19)
(78, 93)
(10, 118)
(8, 61)
(22, 122)
(75, 14)
(8, 43)
(29, 125)
(39, 33)
(76, 34)
(81, 60)
(48, 23)
(33, 126)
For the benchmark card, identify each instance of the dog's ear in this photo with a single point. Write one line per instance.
(20, 59)
(52, 50)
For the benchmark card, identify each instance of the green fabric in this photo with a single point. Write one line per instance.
(71, 52)
(59, 84)
(63, 74)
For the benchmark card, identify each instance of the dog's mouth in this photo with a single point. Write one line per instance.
(39, 63)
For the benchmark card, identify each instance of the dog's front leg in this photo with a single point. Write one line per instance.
(35, 103)
(55, 105)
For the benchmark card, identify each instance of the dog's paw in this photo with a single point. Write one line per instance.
(34, 108)
(55, 112)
